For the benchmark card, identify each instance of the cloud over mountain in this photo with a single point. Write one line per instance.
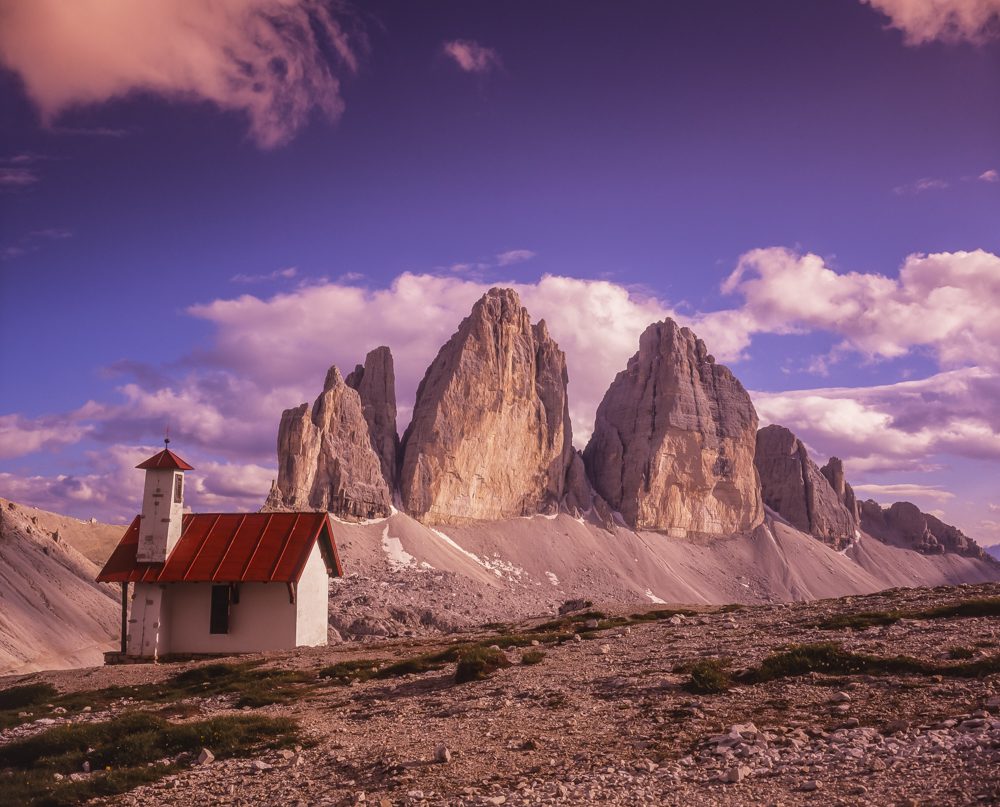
(224, 400)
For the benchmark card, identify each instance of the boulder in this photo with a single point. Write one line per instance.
(794, 487)
(490, 436)
(673, 442)
(326, 460)
(375, 382)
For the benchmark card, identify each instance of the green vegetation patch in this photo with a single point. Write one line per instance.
(342, 673)
(533, 657)
(975, 607)
(477, 663)
(708, 677)
(120, 751)
(830, 658)
(662, 613)
(257, 687)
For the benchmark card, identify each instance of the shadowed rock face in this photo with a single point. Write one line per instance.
(375, 383)
(490, 436)
(673, 443)
(326, 460)
(902, 524)
(815, 501)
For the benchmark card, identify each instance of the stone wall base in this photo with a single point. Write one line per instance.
(117, 657)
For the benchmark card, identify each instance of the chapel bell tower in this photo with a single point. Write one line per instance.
(162, 506)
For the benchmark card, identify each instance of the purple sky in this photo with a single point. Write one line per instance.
(204, 205)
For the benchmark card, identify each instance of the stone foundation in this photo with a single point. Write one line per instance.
(117, 657)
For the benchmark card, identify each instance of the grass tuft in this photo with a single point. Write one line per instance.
(975, 607)
(533, 657)
(708, 677)
(477, 663)
(121, 750)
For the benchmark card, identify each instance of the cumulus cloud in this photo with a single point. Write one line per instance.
(894, 427)
(925, 184)
(471, 56)
(110, 489)
(224, 401)
(269, 59)
(946, 302)
(990, 176)
(905, 492)
(945, 20)
(514, 256)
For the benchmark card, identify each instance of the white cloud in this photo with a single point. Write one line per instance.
(925, 184)
(275, 275)
(946, 302)
(945, 20)
(265, 58)
(993, 507)
(514, 256)
(895, 427)
(990, 176)
(905, 492)
(471, 56)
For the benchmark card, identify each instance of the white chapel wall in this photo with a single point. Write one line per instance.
(312, 602)
(264, 619)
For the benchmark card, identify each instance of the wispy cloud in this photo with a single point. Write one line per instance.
(277, 274)
(272, 60)
(944, 20)
(54, 234)
(97, 131)
(901, 492)
(471, 56)
(17, 177)
(514, 256)
(921, 185)
(990, 176)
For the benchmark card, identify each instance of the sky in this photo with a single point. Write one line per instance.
(205, 205)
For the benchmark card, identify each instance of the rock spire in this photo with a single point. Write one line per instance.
(375, 382)
(813, 500)
(490, 436)
(325, 457)
(673, 443)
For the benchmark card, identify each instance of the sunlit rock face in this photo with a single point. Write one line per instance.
(673, 444)
(490, 436)
(813, 500)
(326, 460)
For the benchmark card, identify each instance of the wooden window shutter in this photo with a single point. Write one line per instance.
(219, 622)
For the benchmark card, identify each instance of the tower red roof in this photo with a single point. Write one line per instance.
(165, 459)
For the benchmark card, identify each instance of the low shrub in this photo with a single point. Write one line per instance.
(975, 607)
(478, 663)
(961, 653)
(709, 677)
(26, 696)
(533, 657)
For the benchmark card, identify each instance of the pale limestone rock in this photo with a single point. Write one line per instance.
(903, 524)
(673, 443)
(325, 457)
(834, 473)
(375, 383)
(579, 495)
(490, 436)
(794, 487)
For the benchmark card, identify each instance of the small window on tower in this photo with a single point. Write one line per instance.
(178, 488)
(219, 622)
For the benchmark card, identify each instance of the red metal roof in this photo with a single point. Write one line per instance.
(230, 548)
(166, 459)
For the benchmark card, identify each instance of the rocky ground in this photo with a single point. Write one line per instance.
(605, 720)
